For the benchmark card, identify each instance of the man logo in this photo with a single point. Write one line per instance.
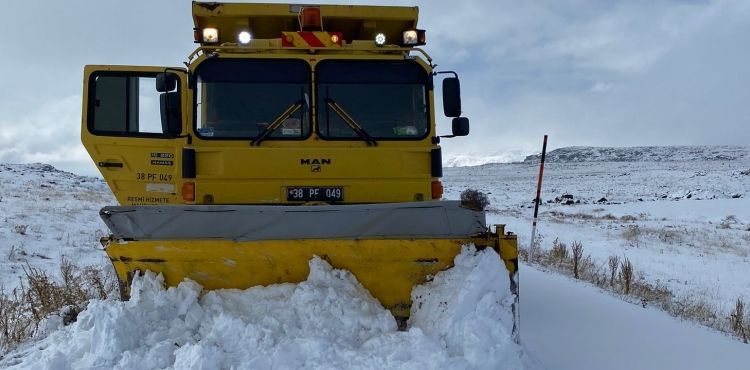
(316, 164)
(320, 161)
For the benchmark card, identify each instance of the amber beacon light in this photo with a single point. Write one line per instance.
(310, 19)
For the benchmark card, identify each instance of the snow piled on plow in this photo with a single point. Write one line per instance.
(460, 320)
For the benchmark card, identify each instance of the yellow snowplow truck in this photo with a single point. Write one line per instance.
(292, 131)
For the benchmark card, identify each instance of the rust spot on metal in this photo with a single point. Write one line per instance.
(151, 260)
(209, 6)
(129, 260)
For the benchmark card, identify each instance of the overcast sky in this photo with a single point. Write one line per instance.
(586, 72)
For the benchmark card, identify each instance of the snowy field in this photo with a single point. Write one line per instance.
(47, 215)
(681, 216)
(683, 221)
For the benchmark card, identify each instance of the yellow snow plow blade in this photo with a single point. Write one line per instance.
(387, 268)
(389, 247)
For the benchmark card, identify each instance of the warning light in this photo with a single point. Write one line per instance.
(310, 19)
(437, 190)
(335, 39)
(188, 191)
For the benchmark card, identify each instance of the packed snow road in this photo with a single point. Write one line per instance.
(573, 326)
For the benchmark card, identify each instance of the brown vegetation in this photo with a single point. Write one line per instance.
(40, 296)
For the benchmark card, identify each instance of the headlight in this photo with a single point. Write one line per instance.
(380, 39)
(244, 37)
(211, 35)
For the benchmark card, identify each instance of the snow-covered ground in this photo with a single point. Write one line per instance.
(684, 223)
(573, 326)
(462, 320)
(47, 215)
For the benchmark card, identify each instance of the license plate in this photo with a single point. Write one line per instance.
(315, 193)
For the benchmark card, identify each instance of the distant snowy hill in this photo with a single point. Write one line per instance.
(644, 154)
(475, 159)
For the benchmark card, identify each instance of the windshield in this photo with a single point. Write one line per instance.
(386, 99)
(240, 98)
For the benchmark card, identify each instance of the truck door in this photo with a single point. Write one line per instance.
(134, 127)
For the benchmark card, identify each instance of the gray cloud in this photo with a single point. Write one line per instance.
(587, 72)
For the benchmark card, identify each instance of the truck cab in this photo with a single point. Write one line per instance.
(279, 104)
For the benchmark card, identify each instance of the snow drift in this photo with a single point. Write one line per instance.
(460, 320)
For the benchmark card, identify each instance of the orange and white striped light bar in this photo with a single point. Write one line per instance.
(312, 39)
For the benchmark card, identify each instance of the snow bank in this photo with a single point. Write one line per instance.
(459, 320)
(468, 308)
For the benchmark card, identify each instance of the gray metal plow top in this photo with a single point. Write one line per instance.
(435, 219)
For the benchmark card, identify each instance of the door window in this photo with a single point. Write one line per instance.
(130, 105)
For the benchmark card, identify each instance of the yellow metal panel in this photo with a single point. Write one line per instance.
(143, 177)
(387, 268)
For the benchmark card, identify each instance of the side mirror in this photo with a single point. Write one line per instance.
(451, 97)
(166, 82)
(171, 113)
(460, 126)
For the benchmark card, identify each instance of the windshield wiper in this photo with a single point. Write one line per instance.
(276, 123)
(351, 122)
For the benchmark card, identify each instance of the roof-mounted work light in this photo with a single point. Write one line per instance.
(244, 37)
(208, 35)
(414, 38)
(380, 39)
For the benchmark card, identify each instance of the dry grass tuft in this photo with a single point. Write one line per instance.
(20, 229)
(474, 199)
(577, 249)
(41, 296)
(737, 319)
(558, 254)
(626, 275)
(632, 234)
(614, 262)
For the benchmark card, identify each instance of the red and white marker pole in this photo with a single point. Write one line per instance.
(537, 200)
